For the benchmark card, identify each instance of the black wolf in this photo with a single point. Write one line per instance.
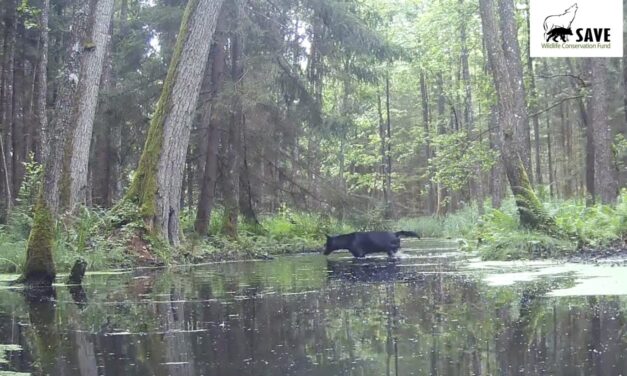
(558, 32)
(362, 243)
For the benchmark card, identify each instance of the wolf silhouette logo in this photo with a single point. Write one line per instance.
(558, 26)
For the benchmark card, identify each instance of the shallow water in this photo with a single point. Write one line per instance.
(434, 311)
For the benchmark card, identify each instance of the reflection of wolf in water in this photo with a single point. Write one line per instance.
(375, 270)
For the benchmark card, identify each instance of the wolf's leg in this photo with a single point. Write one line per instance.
(357, 252)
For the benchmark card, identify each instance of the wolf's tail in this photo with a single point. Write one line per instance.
(407, 233)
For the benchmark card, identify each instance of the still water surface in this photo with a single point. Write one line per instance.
(427, 313)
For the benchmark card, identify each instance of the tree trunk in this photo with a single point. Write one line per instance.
(476, 186)
(104, 154)
(39, 268)
(536, 121)
(589, 147)
(246, 195)
(382, 169)
(389, 210)
(233, 146)
(208, 187)
(20, 91)
(426, 119)
(550, 156)
(606, 185)
(92, 65)
(157, 184)
(115, 130)
(511, 50)
(497, 170)
(42, 84)
(212, 85)
(512, 112)
(8, 91)
(64, 108)
(441, 192)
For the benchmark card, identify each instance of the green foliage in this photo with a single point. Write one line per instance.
(500, 236)
(595, 226)
(458, 158)
(455, 225)
(287, 231)
(29, 13)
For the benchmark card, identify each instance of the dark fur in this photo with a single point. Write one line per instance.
(558, 32)
(362, 243)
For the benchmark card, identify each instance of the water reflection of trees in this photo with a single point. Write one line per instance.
(267, 321)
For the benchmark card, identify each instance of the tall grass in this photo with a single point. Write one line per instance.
(454, 225)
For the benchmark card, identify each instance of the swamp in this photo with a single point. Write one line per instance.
(174, 175)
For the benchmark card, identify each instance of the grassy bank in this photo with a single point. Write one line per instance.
(499, 236)
(99, 238)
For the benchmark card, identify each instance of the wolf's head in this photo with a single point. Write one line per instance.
(329, 246)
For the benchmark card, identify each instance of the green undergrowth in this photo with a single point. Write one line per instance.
(499, 236)
(283, 232)
(455, 225)
(115, 238)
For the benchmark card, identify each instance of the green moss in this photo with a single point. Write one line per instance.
(143, 189)
(39, 268)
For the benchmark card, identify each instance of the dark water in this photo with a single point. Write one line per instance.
(306, 315)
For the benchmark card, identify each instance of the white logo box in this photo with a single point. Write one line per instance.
(586, 17)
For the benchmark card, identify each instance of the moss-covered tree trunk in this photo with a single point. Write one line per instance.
(39, 268)
(512, 111)
(157, 183)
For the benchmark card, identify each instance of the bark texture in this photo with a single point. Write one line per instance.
(42, 83)
(605, 182)
(157, 184)
(214, 80)
(89, 86)
(512, 111)
(39, 268)
(233, 147)
(64, 108)
(513, 59)
(7, 103)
